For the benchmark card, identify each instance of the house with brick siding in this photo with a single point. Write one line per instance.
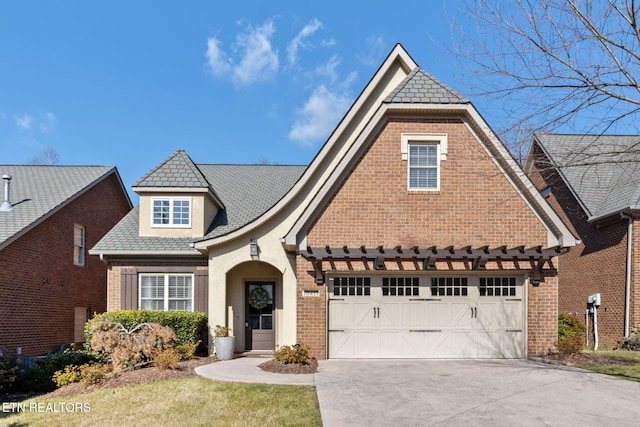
(49, 218)
(593, 183)
(413, 233)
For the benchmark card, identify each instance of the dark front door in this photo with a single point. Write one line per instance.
(259, 333)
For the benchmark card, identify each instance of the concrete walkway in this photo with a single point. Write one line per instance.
(245, 370)
(453, 393)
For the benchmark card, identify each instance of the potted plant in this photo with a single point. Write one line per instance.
(224, 343)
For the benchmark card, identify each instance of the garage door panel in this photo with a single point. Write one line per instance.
(350, 313)
(341, 344)
(367, 343)
(448, 314)
(402, 314)
(497, 315)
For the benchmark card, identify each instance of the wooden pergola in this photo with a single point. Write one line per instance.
(424, 259)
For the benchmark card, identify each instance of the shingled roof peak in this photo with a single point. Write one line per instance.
(177, 170)
(420, 87)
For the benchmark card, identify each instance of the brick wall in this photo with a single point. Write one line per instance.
(542, 317)
(39, 284)
(475, 206)
(597, 265)
(311, 325)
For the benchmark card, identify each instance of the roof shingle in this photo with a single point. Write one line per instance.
(37, 191)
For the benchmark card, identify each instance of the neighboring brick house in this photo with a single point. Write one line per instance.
(413, 233)
(593, 182)
(49, 219)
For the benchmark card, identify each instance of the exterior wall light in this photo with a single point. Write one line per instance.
(253, 248)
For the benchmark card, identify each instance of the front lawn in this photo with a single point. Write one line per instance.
(189, 402)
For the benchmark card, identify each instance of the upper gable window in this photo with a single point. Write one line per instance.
(424, 152)
(423, 167)
(172, 212)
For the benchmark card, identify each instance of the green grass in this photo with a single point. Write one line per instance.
(188, 402)
(626, 364)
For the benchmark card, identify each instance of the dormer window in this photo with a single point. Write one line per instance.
(172, 212)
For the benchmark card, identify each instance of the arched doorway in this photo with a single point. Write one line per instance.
(254, 293)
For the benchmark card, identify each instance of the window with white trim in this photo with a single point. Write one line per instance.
(171, 212)
(166, 292)
(424, 154)
(78, 244)
(423, 166)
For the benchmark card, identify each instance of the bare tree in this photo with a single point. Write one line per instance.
(554, 65)
(49, 156)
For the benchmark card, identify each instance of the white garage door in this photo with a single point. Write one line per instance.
(426, 317)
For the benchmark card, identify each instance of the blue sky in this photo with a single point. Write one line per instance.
(127, 83)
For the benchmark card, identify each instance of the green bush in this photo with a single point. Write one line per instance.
(190, 327)
(93, 373)
(167, 359)
(70, 374)
(187, 351)
(39, 377)
(571, 332)
(297, 353)
(9, 371)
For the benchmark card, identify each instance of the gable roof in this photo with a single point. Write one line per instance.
(421, 92)
(246, 190)
(602, 171)
(37, 192)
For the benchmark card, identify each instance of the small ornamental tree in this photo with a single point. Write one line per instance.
(130, 348)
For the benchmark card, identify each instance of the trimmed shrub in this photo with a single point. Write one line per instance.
(571, 332)
(297, 353)
(93, 373)
(167, 359)
(187, 351)
(70, 374)
(190, 327)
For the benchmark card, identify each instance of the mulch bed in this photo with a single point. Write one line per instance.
(586, 359)
(186, 369)
(278, 367)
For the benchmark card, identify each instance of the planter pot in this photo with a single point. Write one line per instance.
(225, 347)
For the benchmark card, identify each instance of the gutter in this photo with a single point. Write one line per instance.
(627, 288)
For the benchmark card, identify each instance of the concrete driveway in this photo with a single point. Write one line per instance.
(471, 393)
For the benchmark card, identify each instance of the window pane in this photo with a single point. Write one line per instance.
(423, 178)
(152, 287)
(181, 212)
(161, 212)
(182, 305)
(180, 287)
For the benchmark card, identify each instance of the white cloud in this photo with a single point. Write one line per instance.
(256, 59)
(24, 122)
(219, 64)
(299, 40)
(319, 116)
(259, 60)
(328, 69)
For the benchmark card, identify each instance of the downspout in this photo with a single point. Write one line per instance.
(627, 289)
